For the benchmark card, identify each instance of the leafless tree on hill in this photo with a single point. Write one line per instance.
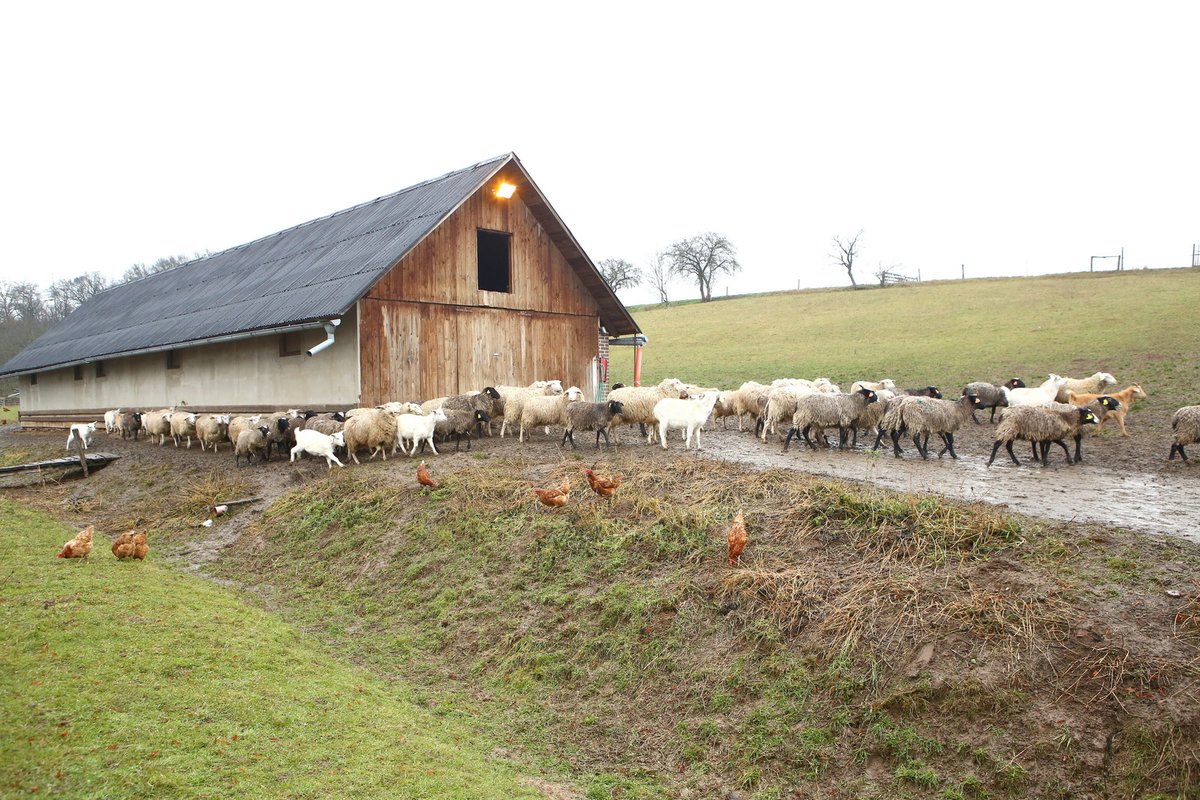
(619, 274)
(703, 258)
(846, 249)
(659, 276)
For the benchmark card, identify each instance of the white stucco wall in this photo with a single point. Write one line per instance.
(249, 373)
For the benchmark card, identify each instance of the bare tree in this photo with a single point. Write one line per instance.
(67, 294)
(139, 270)
(619, 274)
(659, 276)
(703, 258)
(846, 249)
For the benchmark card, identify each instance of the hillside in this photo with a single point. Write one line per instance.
(1140, 326)
(869, 643)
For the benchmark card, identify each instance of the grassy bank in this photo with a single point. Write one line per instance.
(1136, 325)
(870, 644)
(134, 680)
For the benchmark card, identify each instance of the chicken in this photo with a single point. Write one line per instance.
(605, 487)
(555, 498)
(130, 545)
(737, 539)
(122, 546)
(423, 477)
(80, 546)
(140, 548)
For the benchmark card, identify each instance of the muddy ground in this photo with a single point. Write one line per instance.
(1124, 482)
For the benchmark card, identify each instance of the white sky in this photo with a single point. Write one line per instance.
(1017, 138)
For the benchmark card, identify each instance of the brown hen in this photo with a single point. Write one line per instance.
(555, 498)
(605, 487)
(122, 546)
(423, 477)
(80, 546)
(737, 539)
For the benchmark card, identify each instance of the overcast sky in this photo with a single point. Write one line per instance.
(1014, 138)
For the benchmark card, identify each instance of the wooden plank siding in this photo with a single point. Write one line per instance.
(427, 330)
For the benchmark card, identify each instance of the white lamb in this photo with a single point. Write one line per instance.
(83, 431)
(112, 420)
(316, 443)
(689, 414)
(419, 428)
(1038, 395)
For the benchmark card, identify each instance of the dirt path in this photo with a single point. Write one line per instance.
(1124, 482)
(1161, 503)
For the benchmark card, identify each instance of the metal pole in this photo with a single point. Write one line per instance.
(963, 267)
(1121, 260)
(82, 457)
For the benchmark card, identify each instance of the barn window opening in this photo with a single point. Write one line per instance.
(173, 360)
(101, 370)
(79, 372)
(33, 379)
(289, 344)
(493, 250)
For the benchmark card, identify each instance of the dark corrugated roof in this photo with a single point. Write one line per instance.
(303, 274)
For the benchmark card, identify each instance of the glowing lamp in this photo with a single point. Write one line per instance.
(505, 191)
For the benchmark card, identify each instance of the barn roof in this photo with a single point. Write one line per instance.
(299, 276)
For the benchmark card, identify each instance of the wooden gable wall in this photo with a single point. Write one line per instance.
(426, 330)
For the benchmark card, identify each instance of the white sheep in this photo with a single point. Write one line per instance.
(158, 423)
(1096, 383)
(547, 410)
(82, 430)
(112, 421)
(637, 403)
(250, 443)
(316, 443)
(395, 407)
(370, 428)
(183, 425)
(419, 428)
(1036, 396)
(781, 404)
(212, 429)
(875, 386)
(689, 414)
(513, 398)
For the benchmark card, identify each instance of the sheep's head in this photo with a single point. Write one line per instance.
(281, 424)
(224, 419)
(1138, 392)
(491, 392)
(1015, 383)
(1105, 379)
(1087, 417)
(309, 414)
(934, 392)
(1108, 402)
(482, 417)
(574, 393)
(555, 386)
(972, 399)
(887, 383)
(616, 386)
(264, 430)
(339, 416)
(439, 414)
(615, 407)
(869, 394)
(338, 439)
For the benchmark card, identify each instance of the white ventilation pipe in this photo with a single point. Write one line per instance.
(329, 329)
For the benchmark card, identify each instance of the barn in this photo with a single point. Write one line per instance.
(461, 282)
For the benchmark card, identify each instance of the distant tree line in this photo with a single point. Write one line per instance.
(701, 258)
(27, 310)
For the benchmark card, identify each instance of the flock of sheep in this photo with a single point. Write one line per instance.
(1052, 413)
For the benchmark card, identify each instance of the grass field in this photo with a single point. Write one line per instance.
(135, 680)
(1140, 326)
